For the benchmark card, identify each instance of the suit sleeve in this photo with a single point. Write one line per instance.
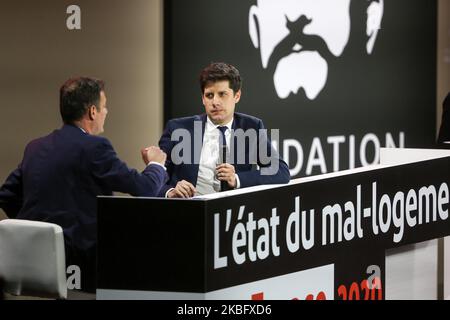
(11, 193)
(113, 174)
(166, 145)
(273, 170)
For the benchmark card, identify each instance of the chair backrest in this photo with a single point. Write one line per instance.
(32, 258)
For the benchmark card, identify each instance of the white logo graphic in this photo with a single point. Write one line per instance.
(296, 38)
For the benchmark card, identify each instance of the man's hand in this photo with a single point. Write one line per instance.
(153, 154)
(225, 172)
(183, 189)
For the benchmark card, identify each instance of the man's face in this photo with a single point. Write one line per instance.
(297, 38)
(220, 101)
(101, 113)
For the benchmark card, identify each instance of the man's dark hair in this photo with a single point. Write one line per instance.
(219, 71)
(77, 95)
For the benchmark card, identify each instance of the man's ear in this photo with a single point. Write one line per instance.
(253, 26)
(92, 111)
(237, 96)
(373, 24)
(203, 99)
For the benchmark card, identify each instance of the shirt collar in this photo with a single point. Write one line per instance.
(210, 126)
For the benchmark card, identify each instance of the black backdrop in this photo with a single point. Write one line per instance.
(393, 90)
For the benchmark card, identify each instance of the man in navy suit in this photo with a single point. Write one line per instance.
(193, 144)
(62, 173)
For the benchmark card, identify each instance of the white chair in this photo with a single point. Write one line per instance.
(32, 258)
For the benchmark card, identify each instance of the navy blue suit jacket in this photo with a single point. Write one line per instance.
(60, 177)
(248, 176)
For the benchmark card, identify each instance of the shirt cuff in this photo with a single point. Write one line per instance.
(167, 192)
(157, 163)
(238, 183)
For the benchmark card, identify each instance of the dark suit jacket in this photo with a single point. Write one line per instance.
(60, 177)
(189, 172)
(444, 132)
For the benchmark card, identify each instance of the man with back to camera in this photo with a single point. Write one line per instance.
(62, 173)
(199, 168)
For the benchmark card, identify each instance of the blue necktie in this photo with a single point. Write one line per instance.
(223, 152)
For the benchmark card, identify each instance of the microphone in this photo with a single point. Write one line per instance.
(224, 184)
(223, 152)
